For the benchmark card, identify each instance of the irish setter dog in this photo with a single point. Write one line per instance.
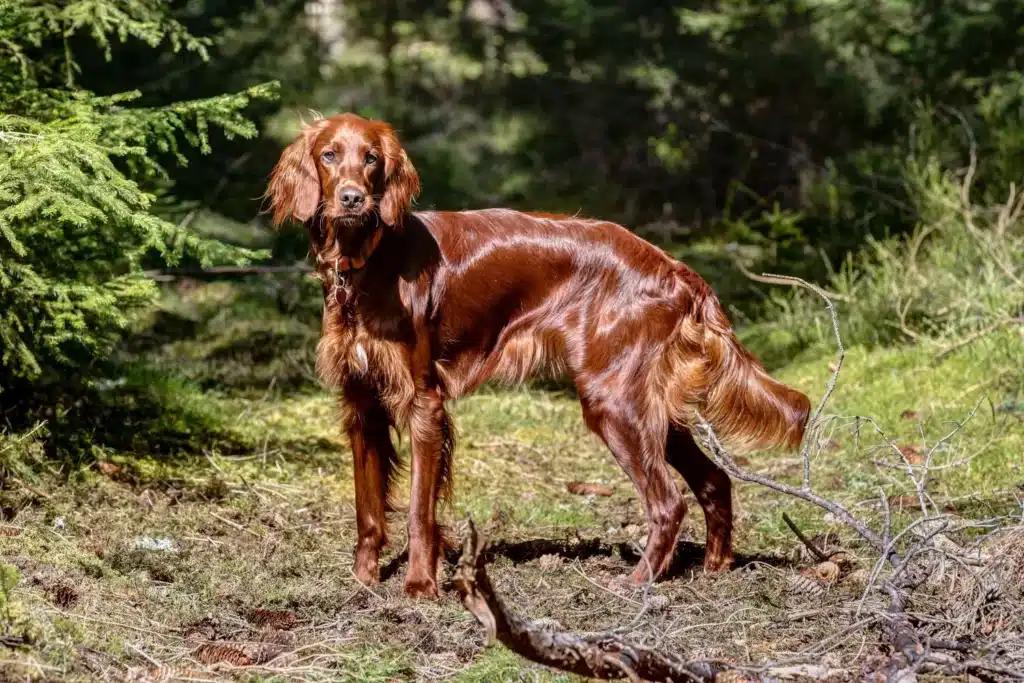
(421, 308)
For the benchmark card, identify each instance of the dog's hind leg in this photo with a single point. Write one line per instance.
(713, 489)
(639, 450)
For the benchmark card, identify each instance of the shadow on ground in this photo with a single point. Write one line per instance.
(689, 555)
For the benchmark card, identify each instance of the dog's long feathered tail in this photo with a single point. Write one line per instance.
(708, 370)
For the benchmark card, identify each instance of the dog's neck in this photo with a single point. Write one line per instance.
(341, 258)
(348, 253)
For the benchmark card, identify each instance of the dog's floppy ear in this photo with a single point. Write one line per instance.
(294, 188)
(401, 181)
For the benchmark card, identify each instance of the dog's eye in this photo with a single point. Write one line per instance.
(371, 158)
(327, 157)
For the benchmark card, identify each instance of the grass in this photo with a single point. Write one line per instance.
(269, 523)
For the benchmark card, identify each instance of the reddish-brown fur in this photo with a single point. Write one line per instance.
(420, 308)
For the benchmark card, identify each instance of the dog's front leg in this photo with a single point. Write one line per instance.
(431, 446)
(373, 461)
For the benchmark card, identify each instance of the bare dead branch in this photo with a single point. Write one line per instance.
(975, 336)
(831, 386)
(725, 460)
(769, 279)
(171, 274)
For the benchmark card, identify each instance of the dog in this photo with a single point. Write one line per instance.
(423, 307)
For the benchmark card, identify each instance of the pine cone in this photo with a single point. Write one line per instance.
(212, 653)
(283, 620)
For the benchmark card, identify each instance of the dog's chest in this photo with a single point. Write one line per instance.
(353, 348)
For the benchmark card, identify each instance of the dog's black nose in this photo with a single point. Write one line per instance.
(351, 198)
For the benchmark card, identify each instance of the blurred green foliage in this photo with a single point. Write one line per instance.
(821, 138)
(783, 124)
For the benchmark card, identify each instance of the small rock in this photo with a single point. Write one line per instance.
(160, 544)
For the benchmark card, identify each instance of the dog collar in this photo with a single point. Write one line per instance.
(344, 267)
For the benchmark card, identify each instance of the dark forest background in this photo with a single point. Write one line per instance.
(867, 146)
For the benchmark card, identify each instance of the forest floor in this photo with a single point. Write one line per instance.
(145, 565)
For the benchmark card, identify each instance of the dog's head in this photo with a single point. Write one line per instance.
(346, 170)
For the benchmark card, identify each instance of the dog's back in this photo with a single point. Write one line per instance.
(526, 294)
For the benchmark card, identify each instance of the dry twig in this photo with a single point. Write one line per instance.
(820, 556)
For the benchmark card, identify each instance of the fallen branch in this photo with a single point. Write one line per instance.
(723, 459)
(605, 656)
